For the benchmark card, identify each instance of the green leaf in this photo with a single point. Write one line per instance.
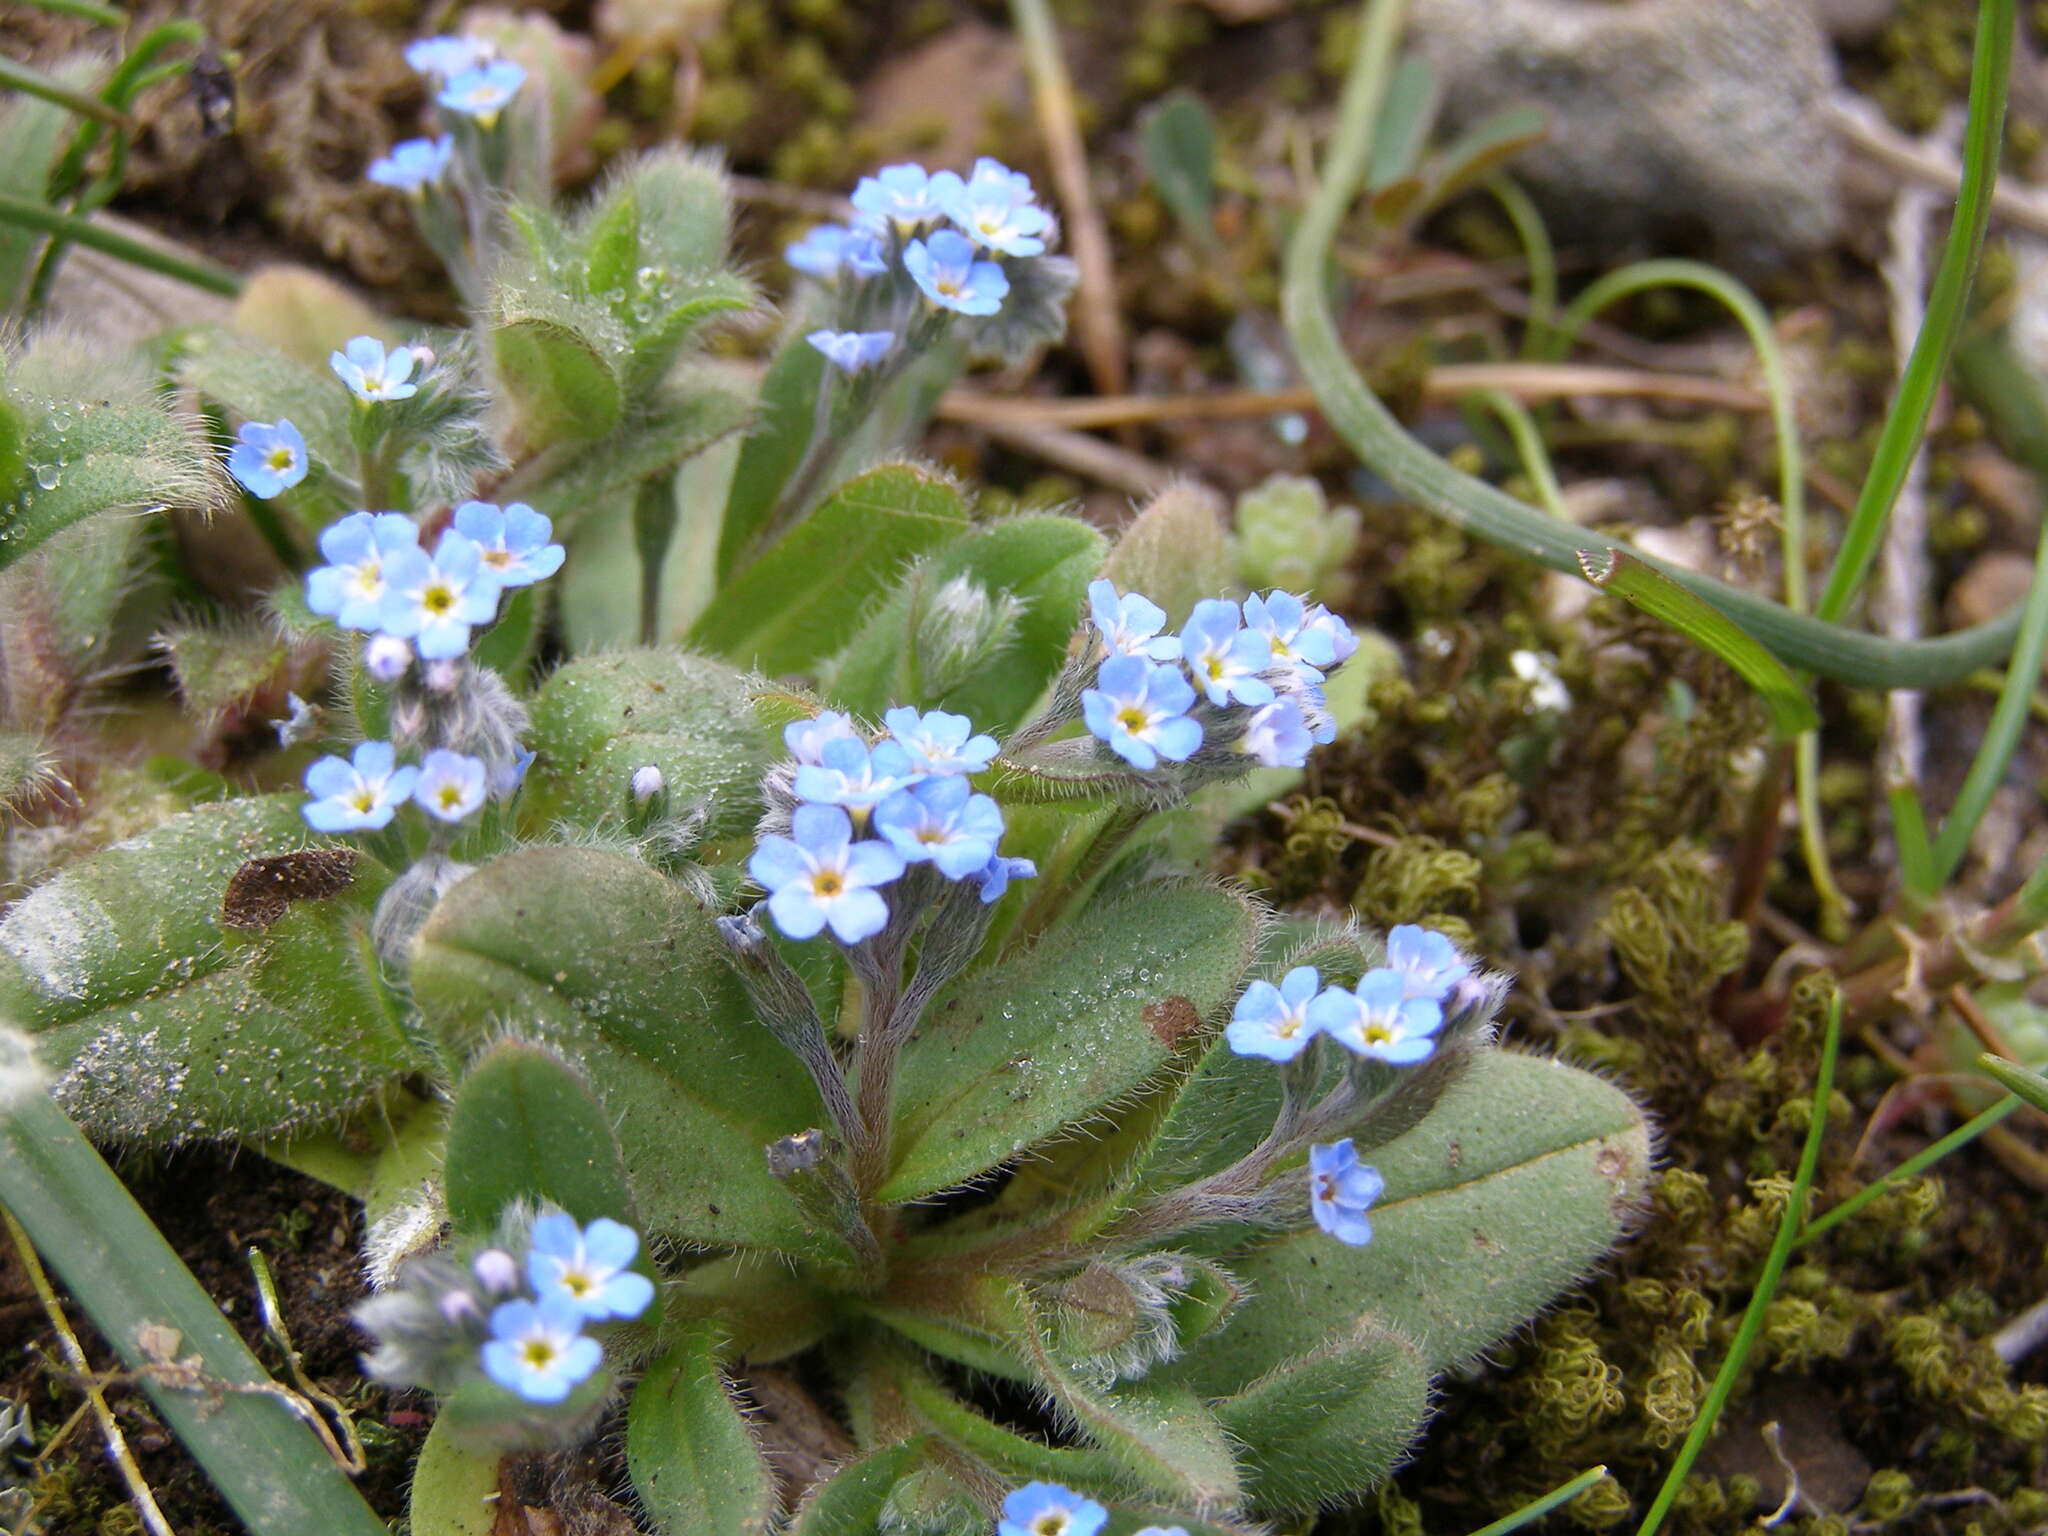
(1526, 1173)
(2016, 1079)
(1178, 136)
(526, 1127)
(1642, 584)
(168, 1024)
(612, 241)
(13, 442)
(1405, 118)
(508, 646)
(1329, 1424)
(850, 1500)
(454, 1487)
(693, 1460)
(787, 417)
(1174, 551)
(598, 719)
(558, 380)
(613, 965)
(1018, 1053)
(655, 434)
(34, 132)
(1483, 148)
(1044, 563)
(804, 599)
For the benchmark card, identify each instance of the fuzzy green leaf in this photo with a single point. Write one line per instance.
(656, 433)
(1330, 1423)
(1013, 1055)
(1179, 138)
(850, 1500)
(804, 599)
(787, 416)
(560, 382)
(13, 442)
(508, 646)
(596, 720)
(1044, 563)
(168, 1025)
(526, 1127)
(1174, 551)
(693, 1460)
(1526, 1173)
(613, 965)
(612, 242)
(454, 1487)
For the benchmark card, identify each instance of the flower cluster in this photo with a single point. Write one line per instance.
(1391, 1016)
(868, 811)
(1259, 668)
(471, 83)
(1048, 1509)
(517, 1319)
(925, 246)
(269, 458)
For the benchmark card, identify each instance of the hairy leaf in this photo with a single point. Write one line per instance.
(526, 1127)
(693, 1460)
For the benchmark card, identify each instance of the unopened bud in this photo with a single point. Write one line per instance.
(647, 783)
(496, 1270)
(386, 657)
(443, 676)
(460, 1307)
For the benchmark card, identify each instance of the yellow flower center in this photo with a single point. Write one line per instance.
(1132, 719)
(450, 796)
(1214, 664)
(437, 600)
(281, 460)
(578, 1282)
(363, 802)
(828, 882)
(1052, 1523)
(538, 1353)
(497, 559)
(1378, 1034)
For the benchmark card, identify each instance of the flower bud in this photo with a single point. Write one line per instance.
(647, 783)
(386, 657)
(496, 1270)
(460, 1307)
(443, 676)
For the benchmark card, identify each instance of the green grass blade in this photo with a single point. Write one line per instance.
(198, 272)
(1925, 1158)
(33, 82)
(2016, 1079)
(1906, 422)
(118, 1267)
(1536, 1509)
(1766, 1283)
(85, 10)
(1628, 576)
(1528, 441)
(1909, 830)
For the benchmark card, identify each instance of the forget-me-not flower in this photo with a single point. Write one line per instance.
(1140, 709)
(482, 92)
(450, 786)
(1378, 1018)
(436, 600)
(851, 351)
(1272, 1021)
(946, 267)
(371, 373)
(807, 739)
(1282, 621)
(898, 196)
(942, 821)
(512, 541)
(1277, 735)
(1340, 1191)
(1427, 962)
(1343, 643)
(539, 1350)
(819, 876)
(1130, 623)
(268, 458)
(938, 742)
(1224, 657)
(995, 206)
(591, 1265)
(1048, 1509)
(445, 56)
(996, 875)
(350, 589)
(831, 249)
(359, 793)
(852, 774)
(414, 165)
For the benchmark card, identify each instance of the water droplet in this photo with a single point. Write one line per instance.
(49, 476)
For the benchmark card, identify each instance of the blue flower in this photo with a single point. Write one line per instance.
(818, 876)
(946, 269)
(1343, 643)
(506, 776)
(831, 249)
(1272, 1021)
(806, 739)
(940, 743)
(1340, 1191)
(1277, 735)
(853, 350)
(1224, 657)
(360, 793)
(450, 786)
(414, 165)
(1284, 623)
(436, 601)
(538, 1349)
(512, 541)
(373, 374)
(1047, 1509)
(995, 206)
(1140, 709)
(898, 195)
(268, 459)
(351, 588)
(1379, 1018)
(1427, 962)
(850, 773)
(944, 822)
(997, 874)
(483, 91)
(592, 1266)
(1130, 623)
(445, 56)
